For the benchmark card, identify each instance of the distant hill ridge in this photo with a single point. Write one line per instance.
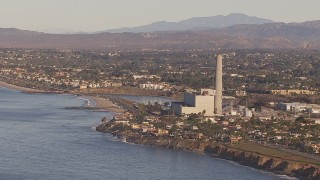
(304, 35)
(196, 23)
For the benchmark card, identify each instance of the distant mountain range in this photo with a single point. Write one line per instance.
(271, 35)
(61, 31)
(196, 23)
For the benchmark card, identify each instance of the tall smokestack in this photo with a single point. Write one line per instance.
(218, 96)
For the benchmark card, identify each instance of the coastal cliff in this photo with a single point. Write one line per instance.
(268, 163)
(259, 161)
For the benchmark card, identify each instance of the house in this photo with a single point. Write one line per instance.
(135, 126)
(126, 122)
(316, 148)
(122, 118)
(83, 86)
(162, 132)
(195, 128)
(180, 123)
(125, 115)
(116, 84)
(225, 123)
(199, 135)
(235, 139)
(241, 93)
(148, 128)
(265, 118)
(151, 118)
(317, 121)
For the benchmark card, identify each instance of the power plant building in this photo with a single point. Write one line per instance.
(207, 100)
(196, 102)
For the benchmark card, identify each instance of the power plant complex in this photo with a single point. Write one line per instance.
(207, 101)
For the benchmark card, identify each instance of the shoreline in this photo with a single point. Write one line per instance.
(123, 140)
(19, 88)
(100, 102)
(213, 150)
(128, 90)
(103, 104)
(253, 159)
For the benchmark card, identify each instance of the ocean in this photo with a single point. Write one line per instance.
(41, 139)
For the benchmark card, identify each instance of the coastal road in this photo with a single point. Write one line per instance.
(285, 149)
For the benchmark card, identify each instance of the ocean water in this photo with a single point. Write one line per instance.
(40, 139)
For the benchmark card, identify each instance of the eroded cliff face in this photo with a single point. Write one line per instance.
(268, 163)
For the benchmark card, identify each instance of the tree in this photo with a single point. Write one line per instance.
(204, 112)
(300, 119)
(140, 118)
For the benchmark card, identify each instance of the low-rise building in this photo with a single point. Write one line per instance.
(83, 86)
(151, 86)
(135, 126)
(241, 93)
(162, 132)
(292, 92)
(299, 107)
(235, 139)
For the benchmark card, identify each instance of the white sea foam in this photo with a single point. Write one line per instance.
(88, 102)
(254, 169)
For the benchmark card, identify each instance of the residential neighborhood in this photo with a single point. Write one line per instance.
(264, 100)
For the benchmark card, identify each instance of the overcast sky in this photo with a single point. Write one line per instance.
(96, 15)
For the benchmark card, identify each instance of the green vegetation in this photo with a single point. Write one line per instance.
(255, 71)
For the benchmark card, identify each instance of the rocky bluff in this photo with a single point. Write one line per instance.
(268, 163)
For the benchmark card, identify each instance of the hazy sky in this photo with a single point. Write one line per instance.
(95, 15)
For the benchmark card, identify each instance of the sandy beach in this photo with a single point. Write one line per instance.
(105, 104)
(101, 103)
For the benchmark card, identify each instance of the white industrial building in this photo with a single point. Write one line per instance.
(299, 107)
(151, 86)
(208, 100)
(196, 102)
